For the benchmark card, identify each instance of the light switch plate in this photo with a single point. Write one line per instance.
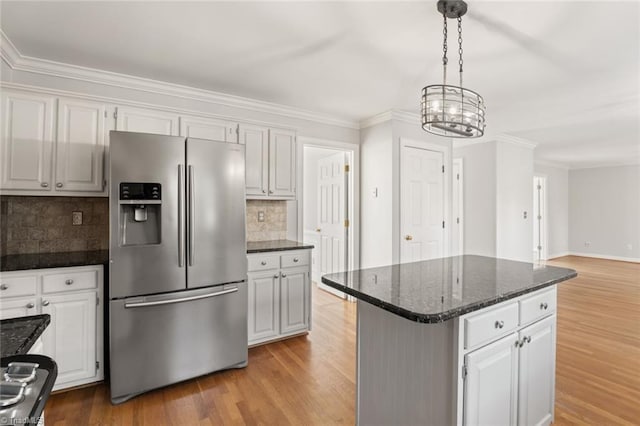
(260, 216)
(76, 218)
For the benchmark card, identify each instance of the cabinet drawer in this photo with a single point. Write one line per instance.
(261, 263)
(296, 259)
(18, 286)
(69, 281)
(537, 306)
(487, 326)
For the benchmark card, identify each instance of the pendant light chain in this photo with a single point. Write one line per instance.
(444, 50)
(460, 46)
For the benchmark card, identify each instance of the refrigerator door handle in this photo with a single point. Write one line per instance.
(181, 224)
(178, 300)
(192, 217)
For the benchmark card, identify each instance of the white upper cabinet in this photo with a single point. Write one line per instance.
(208, 128)
(282, 163)
(256, 141)
(80, 145)
(146, 121)
(270, 159)
(27, 138)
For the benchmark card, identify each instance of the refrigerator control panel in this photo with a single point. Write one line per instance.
(140, 191)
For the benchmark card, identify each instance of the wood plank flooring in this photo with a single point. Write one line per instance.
(311, 379)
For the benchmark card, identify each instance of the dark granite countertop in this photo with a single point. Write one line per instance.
(437, 290)
(17, 335)
(275, 245)
(20, 262)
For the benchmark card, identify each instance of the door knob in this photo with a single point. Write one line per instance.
(45, 303)
(318, 230)
(408, 237)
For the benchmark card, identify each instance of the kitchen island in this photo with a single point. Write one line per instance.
(458, 340)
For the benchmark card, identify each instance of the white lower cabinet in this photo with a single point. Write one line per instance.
(279, 297)
(71, 296)
(511, 379)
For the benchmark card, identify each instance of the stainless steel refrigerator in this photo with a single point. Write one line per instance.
(177, 276)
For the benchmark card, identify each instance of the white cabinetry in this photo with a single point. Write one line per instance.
(509, 363)
(27, 138)
(80, 145)
(71, 296)
(140, 120)
(270, 162)
(36, 160)
(279, 295)
(208, 128)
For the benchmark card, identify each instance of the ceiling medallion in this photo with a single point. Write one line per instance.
(452, 111)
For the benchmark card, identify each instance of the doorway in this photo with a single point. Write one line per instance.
(328, 210)
(539, 218)
(422, 204)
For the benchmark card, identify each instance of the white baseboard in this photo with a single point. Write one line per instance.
(604, 256)
(561, 254)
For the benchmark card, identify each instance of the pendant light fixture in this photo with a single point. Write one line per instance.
(448, 110)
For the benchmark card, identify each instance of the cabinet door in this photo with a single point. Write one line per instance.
(208, 128)
(146, 121)
(70, 339)
(256, 141)
(264, 305)
(80, 145)
(536, 382)
(18, 307)
(26, 140)
(282, 163)
(294, 309)
(491, 385)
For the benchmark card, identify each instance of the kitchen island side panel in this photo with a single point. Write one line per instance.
(404, 369)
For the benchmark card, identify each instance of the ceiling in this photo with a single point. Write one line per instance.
(563, 74)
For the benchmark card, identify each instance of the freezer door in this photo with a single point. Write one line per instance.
(217, 248)
(159, 340)
(157, 264)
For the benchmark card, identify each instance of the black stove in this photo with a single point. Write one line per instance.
(25, 384)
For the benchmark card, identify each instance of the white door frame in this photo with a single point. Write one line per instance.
(353, 203)
(460, 213)
(544, 211)
(446, 151)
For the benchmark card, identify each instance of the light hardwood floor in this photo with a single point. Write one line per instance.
(310, 379)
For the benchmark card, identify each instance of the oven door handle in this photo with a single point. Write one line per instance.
(178, 300)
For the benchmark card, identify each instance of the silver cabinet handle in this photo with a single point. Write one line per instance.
(180, 216)
(284, 275)
(192, 217)
(276, 276)
(45, 303)
(264, 192)
(69, 281)
(263, 263)
(59, 185)
(499, 324)
(527, 339)
(295, 259)
(44, 185)
(4, 287)
(544, 306)
(183, 299)
(270, 191)
(30, 305)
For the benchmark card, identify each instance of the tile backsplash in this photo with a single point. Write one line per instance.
(274, 226)
(44, 224)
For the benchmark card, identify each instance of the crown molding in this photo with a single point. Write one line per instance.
(503, 137)
(20, 62)
(547, 163)
(392, 114)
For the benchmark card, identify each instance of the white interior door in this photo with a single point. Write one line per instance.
(422, 204)
(332, 213)
(457, 225)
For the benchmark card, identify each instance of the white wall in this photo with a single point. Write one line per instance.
(604, 209)
(479, 191)
(557, 198)
(514, 197)
(376, 214)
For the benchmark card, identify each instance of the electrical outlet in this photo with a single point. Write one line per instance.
(76, 218)
(587, 243)
(260, 216)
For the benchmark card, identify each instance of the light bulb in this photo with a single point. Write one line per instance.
(453, 111)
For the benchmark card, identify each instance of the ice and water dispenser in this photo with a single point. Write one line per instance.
(140, 213)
